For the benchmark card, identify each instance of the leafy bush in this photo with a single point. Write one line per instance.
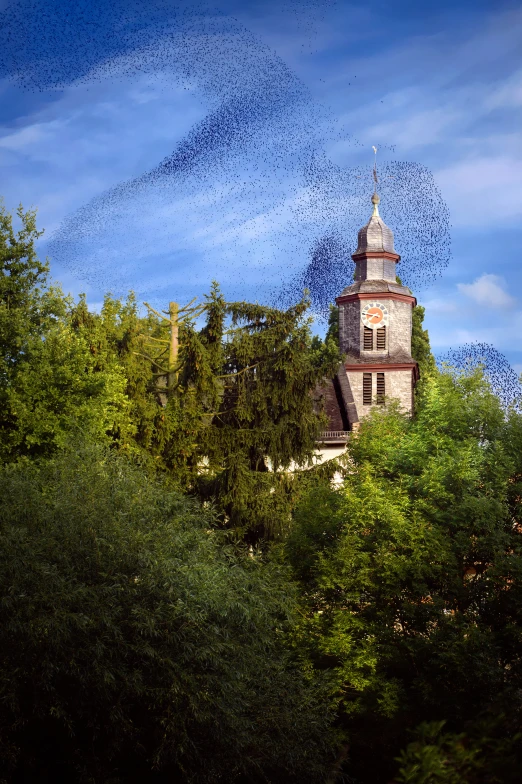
(133, 644)
(439, 757)
(411, 578)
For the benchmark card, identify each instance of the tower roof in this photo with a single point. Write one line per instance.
(376, 235)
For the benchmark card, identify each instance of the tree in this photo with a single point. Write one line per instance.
(243, 414)
(135, 645)
(51, 378)
(420, 344)
(25, 302)
(118, 338)
(26, 306)
(482, 754)
(412, 578)
(240, 408)
(332, 332)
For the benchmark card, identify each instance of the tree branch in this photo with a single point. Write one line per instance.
(150, 359)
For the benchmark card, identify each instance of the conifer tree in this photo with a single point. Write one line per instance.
(244, 410)
(420, 343)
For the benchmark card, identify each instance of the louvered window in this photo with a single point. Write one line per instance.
(368, 339)
(367, 389)
(381, 389)
(381, 338)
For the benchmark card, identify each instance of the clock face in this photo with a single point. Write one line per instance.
(374, 315)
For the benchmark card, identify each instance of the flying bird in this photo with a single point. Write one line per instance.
(248, 196)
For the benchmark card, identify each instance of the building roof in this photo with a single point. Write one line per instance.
(375, 287)
(397, 358)
(376, 236)
(337, 399)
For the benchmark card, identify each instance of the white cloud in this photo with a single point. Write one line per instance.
(417, 129)
(28, 136)
(483, 191)
(453, 110)
(439, 305)
(487, 290)
(508, 94)
(445, 332)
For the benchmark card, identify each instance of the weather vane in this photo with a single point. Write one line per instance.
(375, 197)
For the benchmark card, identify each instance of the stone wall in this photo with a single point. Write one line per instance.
(375, 269)
(350, 326)
(398, 329)
(400, 325)
(398, 385)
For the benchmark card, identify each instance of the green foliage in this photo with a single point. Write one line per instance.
(333, 325)
(327, 351)
(117, 339)
(412, 572)
(59, 387)
(420, 344)
(436, 756)
(244, 411)
(136, 643)
(239, 407)
(53, 380)
(133, 642)
(24, 303)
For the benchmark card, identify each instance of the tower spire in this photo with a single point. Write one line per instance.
(375, 197)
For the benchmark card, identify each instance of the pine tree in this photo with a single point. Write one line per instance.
(244, 413)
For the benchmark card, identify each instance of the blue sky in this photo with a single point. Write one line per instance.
(438, 85)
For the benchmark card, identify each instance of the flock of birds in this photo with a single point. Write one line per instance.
(260, 148)
(502, 377)
(254, 169)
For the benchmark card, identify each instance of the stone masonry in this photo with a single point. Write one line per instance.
(376, 284)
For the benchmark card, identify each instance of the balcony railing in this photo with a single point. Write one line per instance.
(334, 435)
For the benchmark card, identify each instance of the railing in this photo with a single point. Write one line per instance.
(334, 435)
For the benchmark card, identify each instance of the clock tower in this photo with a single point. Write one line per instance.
(375, 324)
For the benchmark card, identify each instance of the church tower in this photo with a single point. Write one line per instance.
(375, 324)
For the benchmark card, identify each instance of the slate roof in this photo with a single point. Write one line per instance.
(375, 236)
(398, 358)
(337, 399)
(375, 286)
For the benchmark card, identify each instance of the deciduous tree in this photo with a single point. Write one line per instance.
(134, 642)
(412, 574)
